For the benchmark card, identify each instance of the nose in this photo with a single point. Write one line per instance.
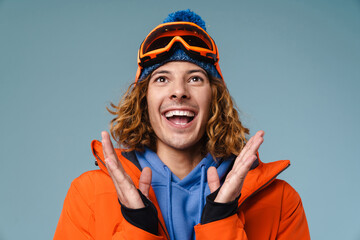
(179, 91)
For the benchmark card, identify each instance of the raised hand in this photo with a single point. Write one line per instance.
(233, 183)
(126, 191)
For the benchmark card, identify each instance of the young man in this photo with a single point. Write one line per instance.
(186, 170)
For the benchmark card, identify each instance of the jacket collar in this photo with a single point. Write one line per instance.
(261, 176)
(127, 159)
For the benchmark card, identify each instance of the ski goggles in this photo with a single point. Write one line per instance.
(190, 37)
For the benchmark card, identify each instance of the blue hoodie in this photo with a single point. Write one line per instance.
(181, 201)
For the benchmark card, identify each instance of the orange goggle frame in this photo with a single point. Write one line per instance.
(193, 39)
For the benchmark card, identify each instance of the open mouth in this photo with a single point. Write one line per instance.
(179, 117)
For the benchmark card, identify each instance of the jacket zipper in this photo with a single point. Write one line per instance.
(163, 228)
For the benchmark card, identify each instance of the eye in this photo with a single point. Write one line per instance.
(160, 80)
(196, 79)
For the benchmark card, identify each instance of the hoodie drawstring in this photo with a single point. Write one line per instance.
(169, 207)
(202, 191)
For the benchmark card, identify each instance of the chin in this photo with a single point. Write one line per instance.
(182, 143)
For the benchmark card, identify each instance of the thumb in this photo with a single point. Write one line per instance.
(145, 181)
(213, 179)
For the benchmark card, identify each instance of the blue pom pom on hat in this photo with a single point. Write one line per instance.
(185, 16)
(179, 54)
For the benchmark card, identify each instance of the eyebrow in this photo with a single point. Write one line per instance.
(160, 72)
(197, 70)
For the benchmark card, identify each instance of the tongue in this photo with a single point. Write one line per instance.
(179, 120)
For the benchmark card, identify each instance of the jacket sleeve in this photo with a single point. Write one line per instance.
(293, 223)
(228, 228)
(127, 231)
(76, 219)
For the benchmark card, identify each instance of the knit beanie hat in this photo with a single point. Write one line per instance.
(178, 54)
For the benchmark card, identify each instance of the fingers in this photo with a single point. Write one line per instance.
(254, 143)
(108, 148)
(251, 148)
(145, 181)
(111, 160)
(126, 191)
(213, 179)
(248, 155)
(239, 173)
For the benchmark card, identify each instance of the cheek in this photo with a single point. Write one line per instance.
(150, 110)
(153, 106)
(205, 102)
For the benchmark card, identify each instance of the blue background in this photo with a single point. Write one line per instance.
(293, 67)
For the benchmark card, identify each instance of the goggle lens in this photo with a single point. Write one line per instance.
(196, 42)
(164, 41)
(192, 35)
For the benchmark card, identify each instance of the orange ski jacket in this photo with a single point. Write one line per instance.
(269, 208)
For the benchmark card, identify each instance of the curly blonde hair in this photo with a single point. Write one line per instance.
(131, 128)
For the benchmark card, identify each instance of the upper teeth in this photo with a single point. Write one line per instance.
(179, 113)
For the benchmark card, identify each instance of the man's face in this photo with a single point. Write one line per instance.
(178, 98)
